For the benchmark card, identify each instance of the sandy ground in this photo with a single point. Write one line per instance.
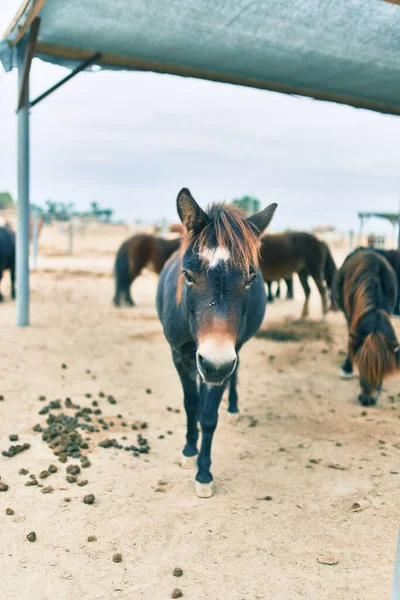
(299, 419)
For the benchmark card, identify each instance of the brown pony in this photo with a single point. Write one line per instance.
(366, 289)
(393, 258)
(133, 255)
(301, 253)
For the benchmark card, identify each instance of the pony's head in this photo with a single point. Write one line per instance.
(219, 260)
(374, 348)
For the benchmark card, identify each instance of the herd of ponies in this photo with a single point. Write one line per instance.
(211, 299)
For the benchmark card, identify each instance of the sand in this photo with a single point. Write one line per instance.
(298, 420)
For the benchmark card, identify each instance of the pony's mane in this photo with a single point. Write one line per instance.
(227, 228)
(372, 337)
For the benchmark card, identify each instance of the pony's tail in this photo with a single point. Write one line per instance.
(377, 355)
(329, 274)
(330, 268)
(121, 274)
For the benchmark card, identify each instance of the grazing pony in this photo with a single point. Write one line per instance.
(210, 300)
(289, 289)
(393, 258)
(134, 254)
(7, 256)
(302, 253)
(366, 290)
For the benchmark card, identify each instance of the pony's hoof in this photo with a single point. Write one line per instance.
(188, 462)
(205, 490)
(233, 418)
(346, 375)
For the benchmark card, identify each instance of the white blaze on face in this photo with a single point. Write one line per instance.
(218, 351)
(214, 255)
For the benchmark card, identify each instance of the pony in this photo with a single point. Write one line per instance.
(134, 254)
(365, 287)
(393, 258)
(211, 299)
(302, 253)
(289, 289)
(7, 256)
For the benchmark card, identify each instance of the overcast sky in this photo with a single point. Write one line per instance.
(132, 140)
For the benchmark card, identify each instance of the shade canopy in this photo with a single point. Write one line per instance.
(346, 51)
(393, 218)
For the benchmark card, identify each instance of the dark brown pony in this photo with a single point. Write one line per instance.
(133, 255)
(301, 253)
(366, 289)
(393, 258)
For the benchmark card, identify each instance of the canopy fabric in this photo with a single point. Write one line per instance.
(346, 51)
(393, 218)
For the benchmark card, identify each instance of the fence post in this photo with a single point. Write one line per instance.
(351, 240)
(70, 237)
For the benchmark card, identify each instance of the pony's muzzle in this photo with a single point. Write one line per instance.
(368, 399)
(215, 373)
(216, 362)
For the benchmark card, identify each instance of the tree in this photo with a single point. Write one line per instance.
(6, 200)
(248, 204)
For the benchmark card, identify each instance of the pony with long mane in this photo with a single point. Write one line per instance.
(133, 255)
(366, 290)
(393, 258)
(302, 253)
(211, 300)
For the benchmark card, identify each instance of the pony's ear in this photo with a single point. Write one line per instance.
(190, 213)
(262, 219)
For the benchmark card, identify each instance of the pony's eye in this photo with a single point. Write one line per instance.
(249, 281)
(188, 277)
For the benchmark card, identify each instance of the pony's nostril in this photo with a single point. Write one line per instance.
(215, 372)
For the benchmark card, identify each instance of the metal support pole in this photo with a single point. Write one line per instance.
(81, 67)
(396, 579)
(35, 238)
(22, 262)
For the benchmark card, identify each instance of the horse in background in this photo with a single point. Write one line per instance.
(7, 256)
(211, 299)
(302, 253)
(366, 290)
(133, 255)
(393, 258)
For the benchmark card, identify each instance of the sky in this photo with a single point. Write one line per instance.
(131, 141)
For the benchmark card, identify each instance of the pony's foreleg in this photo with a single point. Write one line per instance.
(289, 285)
(278, 289)
(188, 377)
(347, 368)
(270, 294)
(303, 276)
(208, 420)
(233, 409)
(1, 295)
(12, 276)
